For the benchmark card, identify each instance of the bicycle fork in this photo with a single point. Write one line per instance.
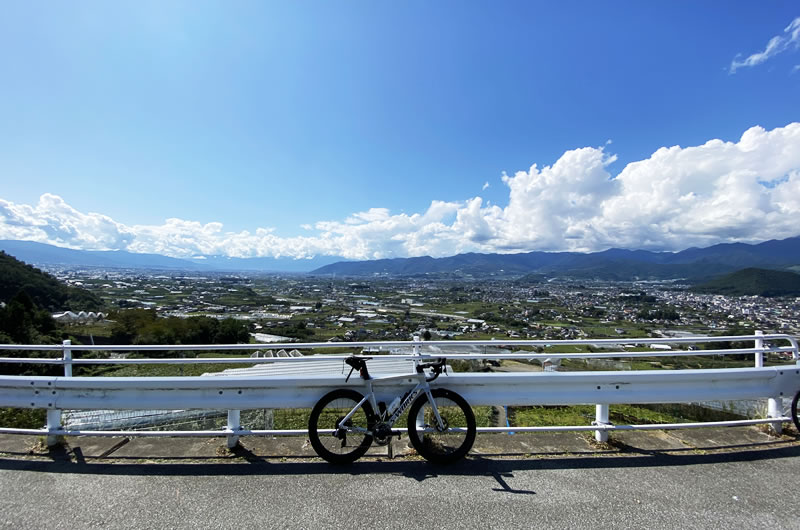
(440, 426)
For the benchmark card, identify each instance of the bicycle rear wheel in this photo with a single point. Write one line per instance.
(795, 417)
(455, 440)
(340, 446)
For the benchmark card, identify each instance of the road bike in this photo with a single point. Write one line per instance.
(344, 423)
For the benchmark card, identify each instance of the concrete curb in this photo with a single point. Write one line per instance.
(493, 446)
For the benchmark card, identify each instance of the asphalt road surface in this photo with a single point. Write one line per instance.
(747, 489)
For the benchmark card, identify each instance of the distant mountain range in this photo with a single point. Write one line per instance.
(224, 263)
(42, 254)
(694, 264)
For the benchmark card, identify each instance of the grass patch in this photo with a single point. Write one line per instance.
(298, 418)
(549, 416)
(22, 418)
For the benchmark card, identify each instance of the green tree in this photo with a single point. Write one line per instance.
(24, 323)
(128, 324)
(143, 326)
(232, 331)
(44, 290)
(200, 330)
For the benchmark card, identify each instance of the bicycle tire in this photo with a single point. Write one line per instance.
(442, 447)
(339, 447)
(795, 417)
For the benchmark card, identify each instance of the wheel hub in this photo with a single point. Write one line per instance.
(341, 433)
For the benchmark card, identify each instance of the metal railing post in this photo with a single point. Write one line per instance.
(796, 352)
(54, 415)
(775, 410)
(234, 425)
(67, 357)
(759, 355)
(601, 418)
(53, 424)
(416, 344)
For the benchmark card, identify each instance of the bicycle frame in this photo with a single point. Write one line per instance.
(421, 386)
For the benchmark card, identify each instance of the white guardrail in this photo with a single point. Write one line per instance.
(236, 393)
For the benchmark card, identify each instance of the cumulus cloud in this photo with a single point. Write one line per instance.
(747, 190)
(777, 44)
(53, 221)
(719, 191)
(551, 206)
(485, 186)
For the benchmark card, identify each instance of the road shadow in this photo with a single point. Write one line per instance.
(247, 463)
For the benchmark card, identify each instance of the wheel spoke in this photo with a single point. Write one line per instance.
(442, 443)
(335, 439)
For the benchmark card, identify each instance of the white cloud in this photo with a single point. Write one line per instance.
(707, 194)
(776, 45)
(550, 204)
(748, 190)
(485, 186)
(53, 221)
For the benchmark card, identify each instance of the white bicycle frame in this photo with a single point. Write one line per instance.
(422, 386)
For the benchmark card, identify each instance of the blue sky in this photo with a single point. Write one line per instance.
(371, 129)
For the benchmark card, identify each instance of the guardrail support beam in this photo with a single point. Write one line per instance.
(53, 424)
(234, 425)
(601, 418)
(774, 410)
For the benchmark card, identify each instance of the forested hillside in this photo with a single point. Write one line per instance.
(753, 281)
(44, 290)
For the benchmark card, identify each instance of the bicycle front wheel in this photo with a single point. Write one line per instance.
(436, 444)
(335, 444)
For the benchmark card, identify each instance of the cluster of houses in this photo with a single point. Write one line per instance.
(381, 310)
